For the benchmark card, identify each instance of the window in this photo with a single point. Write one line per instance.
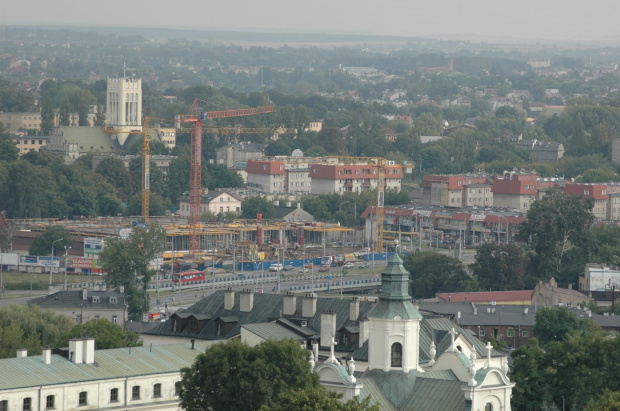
(112, 300)
(114, 319)
(49, 402)
(157, 391)
(135, 392)
(95, 299)
(524, 333)
(27, 404)
(397, 355)
(177, 388)
(4, 405)
(488, 407)
(510, 332)
(83, 398)
(481, 332)
(114, 395)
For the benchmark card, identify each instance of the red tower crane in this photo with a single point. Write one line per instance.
(195, 185)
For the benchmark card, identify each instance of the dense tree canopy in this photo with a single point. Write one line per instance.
(500, 267)
(106, 334)
(432, 272)
(42, 244)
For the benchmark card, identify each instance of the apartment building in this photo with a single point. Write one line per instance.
(19, 122)
(514, 190)
(340, 178)
(597, 192)
(478, 195)
(267, 176)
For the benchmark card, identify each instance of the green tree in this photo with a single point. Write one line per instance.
(47, 116)
(556, 227)
(115, 173)
(532, 390)
(42, 244)
(106, 334)
(432, 272)
(555, 324)
(500, 267)
(257, 205)
(127, 264)
(261, 373)
(31, 328)
(99, 117)
(317, 399)
(8, 151)
(609, 401)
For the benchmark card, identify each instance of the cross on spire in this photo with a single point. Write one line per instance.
(489, 347)
(452, 333)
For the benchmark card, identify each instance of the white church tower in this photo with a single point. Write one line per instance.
(124, 107)
(394, 341)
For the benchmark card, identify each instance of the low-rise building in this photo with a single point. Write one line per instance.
(85, 305)
(232, 154)
(597, 192)
(26, 144)
(514, 190)
(213, 201)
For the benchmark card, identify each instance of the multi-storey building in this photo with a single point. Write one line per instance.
(597, 192)
(340, 178)
(26, 144)
(478, 195)
(17, 122)
(231, 154)
(514, 190)
(267, 176)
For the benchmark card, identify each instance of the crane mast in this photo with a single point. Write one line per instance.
(195, 184)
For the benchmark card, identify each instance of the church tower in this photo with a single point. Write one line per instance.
(124, 107)
(394, 340)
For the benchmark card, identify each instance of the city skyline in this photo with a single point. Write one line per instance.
(484, 20)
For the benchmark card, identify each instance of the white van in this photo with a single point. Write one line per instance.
(276, 267)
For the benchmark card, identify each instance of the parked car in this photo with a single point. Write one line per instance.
(324, 269)
(309, 265)
(276, 267)
(348, 265)
(288, 267)
(363, 265)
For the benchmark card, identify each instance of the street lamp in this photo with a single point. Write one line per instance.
(52, 268)
(66, 251)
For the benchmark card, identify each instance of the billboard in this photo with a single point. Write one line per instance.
(82, 263)
(125, 233)
(92, 247)
(601, 279)
(49, 261)
(29, 260)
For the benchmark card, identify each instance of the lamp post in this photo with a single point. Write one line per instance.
(52, 268)
(420, 157)
(66, 251)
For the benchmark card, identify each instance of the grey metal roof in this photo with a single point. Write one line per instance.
(89, 138)
(395, 390)
(115, 363)
(266, 308)
(272, 331)
(73, 299)
(485, 314)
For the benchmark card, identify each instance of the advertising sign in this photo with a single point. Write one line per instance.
(125, 233)
(29, 260)
(92, 247)
(49, 261)
(82, 263)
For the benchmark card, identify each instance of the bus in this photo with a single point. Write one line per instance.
(188, 277)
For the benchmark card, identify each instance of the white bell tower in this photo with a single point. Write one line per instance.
(394, 341)
(124, 107)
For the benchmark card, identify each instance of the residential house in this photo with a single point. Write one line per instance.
(597, 192)
(340, 178)
(213, 201)
(26, 144)
(543, 151)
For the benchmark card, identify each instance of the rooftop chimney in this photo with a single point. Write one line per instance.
(47, 355)
(308, 305)
(354, 309)
(22, 353)
(289, 304)
(88, 350)
(246, 301)
(364, 331)
(229, 299)
(84, 293)
(328, 327)
(75, 350)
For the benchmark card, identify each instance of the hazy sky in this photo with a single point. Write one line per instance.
(488, 19)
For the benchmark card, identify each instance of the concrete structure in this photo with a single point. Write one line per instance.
(598, 277)
(267, 176)
(135, 378)
(548, 294)
(232, 154)
(478, 195)
(167, 135)
(514, 190)
(85, 305)
(124, 107)
(213, 201)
